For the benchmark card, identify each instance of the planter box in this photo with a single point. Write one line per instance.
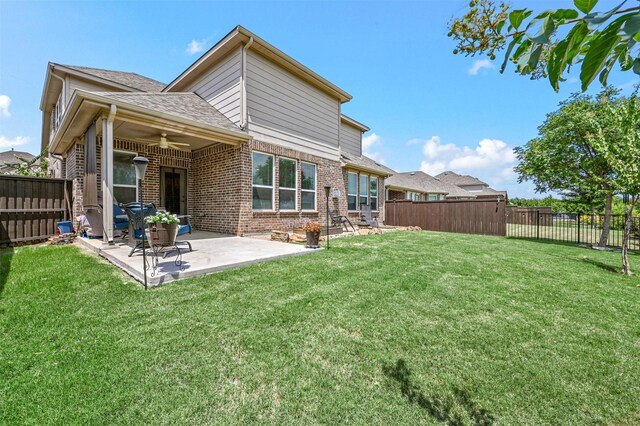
(163, 233)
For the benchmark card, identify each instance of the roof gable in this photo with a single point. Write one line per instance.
(240, 36)
(456, 179)
(129, 79)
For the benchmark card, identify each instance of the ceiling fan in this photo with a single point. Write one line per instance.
(164, 143)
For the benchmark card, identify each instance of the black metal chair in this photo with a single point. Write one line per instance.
(338, 219)
(136, 217)
(367, 215)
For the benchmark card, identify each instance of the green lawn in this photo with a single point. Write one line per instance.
(402, 328)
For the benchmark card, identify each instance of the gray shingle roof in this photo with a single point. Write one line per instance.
(10, 157)
(186, 105)
(456, 179)
(423, 182)
(129, 79)
(365, 163)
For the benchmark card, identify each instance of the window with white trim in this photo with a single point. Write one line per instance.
(413, 196)
(287, 184)
(308, 190)
(364, 190)
(433, 197)
(352, 191)
(262, 181)
(125, 188)
(373, 193)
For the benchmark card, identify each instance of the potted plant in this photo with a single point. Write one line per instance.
(163, 228)
(312, 229)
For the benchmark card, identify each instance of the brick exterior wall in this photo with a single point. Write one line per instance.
(74, 171)
(219, 191)
(396, 195)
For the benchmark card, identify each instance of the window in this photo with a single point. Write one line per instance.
(308, 193)
(364, 190)
(125, 188)
(352, 191)
(287, 183)
(373, 193)
(413, 196)
(262, 181)
(433, 197)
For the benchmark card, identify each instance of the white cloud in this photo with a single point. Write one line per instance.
(7, 143)
(5, 103)
(195, 46)
(572, 80)
(487, 155)
(479, 65)
(369, 142)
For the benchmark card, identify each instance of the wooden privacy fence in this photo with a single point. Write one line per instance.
(30, 208)
(528, 216)
(485, 217)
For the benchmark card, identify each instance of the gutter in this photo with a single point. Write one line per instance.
(243, 87)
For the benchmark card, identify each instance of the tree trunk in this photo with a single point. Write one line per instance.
(606, 223)
(626, 269)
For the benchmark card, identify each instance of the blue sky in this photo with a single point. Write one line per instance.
(426, 107)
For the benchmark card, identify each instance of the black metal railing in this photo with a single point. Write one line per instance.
(570, 227)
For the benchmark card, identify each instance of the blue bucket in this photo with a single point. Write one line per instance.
(65, 227)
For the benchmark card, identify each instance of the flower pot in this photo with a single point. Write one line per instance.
(163, 233)
(313, 239)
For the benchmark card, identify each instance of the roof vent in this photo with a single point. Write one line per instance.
(412, 173)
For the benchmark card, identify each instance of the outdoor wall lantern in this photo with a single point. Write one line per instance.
(327, 191)
(141, 164)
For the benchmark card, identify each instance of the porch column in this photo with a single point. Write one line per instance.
(107, 175)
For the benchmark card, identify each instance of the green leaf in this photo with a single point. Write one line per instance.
(534, 57)
(637, 37)
(543, 35)
(514, 41)
(599, 49)
(557, 63)
(636, 66)
(585, 6)
(599, 18)
(562, 14)
(576, 37)
(632, 26)
(607, 68)
(517, 16)
(500, 25)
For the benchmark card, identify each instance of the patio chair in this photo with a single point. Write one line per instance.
(367, 216)
(338, 219)
(120, 221)
(136, 217)
(185, 228)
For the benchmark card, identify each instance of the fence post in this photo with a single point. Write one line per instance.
(578, 228)
(537, 224)
(395, 223)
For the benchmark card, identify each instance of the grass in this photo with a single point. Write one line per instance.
(402, 328)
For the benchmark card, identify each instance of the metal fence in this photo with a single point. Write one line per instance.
(570, 227)
(30, 208)
(485, 217)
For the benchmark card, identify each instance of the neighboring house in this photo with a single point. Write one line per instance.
(420, 186)
(244, 140)
(471, 184)
(12, 157)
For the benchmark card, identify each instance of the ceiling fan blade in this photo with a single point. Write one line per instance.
(178, 143)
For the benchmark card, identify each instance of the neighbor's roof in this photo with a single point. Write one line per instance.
(129, 79)
(422, 182)
(488, 191)
(456, 179)
(11, 157)
(365, 163)
(186, 105)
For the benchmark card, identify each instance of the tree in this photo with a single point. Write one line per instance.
(551, 42)
(561, 158)
(619, 144)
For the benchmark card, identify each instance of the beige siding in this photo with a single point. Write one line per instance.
(472, 188)
(350, 139)
(72, 83)
(220, 86)
(285, 110)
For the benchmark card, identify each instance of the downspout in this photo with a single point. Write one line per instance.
(243, 86)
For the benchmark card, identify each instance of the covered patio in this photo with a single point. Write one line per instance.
(212, 252)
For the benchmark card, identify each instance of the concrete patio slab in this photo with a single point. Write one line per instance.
(211, 253)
